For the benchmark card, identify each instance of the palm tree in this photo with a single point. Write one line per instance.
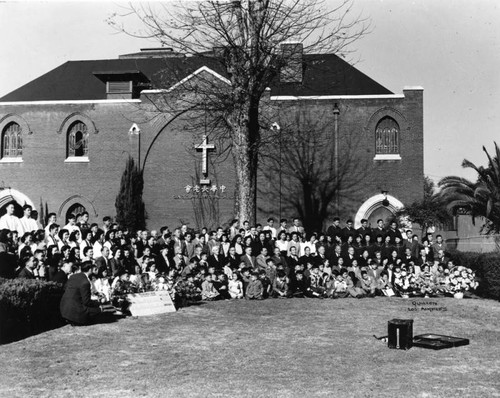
(480, 198)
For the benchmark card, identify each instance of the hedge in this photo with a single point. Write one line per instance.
(28, 307)
(487, 268)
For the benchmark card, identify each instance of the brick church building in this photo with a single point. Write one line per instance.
(66, 135)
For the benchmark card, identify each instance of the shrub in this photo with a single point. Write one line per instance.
(487, 268)
(28, 307)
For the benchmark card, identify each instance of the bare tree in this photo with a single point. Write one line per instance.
(301, 172)
(246, 35)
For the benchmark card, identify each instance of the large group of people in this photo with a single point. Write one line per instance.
(245, 261)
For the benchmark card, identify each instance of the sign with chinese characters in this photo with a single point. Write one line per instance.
(204, 191)
(204, 147)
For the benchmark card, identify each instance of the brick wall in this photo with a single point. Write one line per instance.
(173, 163)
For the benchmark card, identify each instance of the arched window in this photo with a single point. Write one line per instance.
(78, 140)
(12, 142)
(387, 136)
(75, 209)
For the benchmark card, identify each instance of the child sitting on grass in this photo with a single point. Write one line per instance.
(351, 288)
(299, 285)
(255, 290)
(221, 285)
(339, 289)
(316, 290)
(245, 278)
(280, 286)
(266, 283)
(208, 291)
(367, 284)
(235, 287)
(384, 285)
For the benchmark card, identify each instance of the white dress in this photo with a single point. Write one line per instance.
(235, 289)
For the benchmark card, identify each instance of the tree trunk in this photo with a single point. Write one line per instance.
(245, 193)
(244, 123)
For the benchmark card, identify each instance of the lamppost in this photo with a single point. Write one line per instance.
(336, 113)
(276, 127)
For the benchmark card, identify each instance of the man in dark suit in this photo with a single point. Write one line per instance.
(307, 257)
(102, 262)
(76, 305)
(248, 259)
(378, 230)
(216, 260)
(348, 259)
(27, 271)
(334, 258)
(61, 276)
(394, 232)
(348, 231)
(364, 229)
(321, 256)
(407, 257)
(232, 258)
(334, 230)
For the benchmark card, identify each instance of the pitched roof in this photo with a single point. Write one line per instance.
(324, 74)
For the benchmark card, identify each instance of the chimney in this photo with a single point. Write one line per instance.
(291, 70)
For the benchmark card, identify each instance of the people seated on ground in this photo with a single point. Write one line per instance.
(222, 286)
(102, 286)
(315, 288)
(266, 284)
(255, 289)
(367, 284)
(208, 290)
(235, 287)
(355, 263)
(280, 287)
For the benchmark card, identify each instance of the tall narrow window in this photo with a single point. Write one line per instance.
(12, 142)
(78, 140)
(387, 137)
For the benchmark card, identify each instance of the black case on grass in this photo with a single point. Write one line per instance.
(400, 333)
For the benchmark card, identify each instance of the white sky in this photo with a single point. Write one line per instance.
(450, 47)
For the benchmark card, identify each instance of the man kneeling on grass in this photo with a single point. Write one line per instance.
(76, 305)
(255, 289)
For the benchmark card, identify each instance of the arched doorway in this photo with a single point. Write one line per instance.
(8, 195)
(378, 207)
(380, 213)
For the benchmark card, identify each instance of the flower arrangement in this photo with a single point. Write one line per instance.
(405, 283)
(119, 294)
(187, 292)
(462, 280)
(426, 283)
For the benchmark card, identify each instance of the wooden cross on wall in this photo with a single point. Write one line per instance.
(204, 147)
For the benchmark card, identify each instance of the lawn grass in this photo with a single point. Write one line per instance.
(273, 348)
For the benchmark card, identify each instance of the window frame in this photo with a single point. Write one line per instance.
(10, 135)
(390, 137)
(73, 154)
